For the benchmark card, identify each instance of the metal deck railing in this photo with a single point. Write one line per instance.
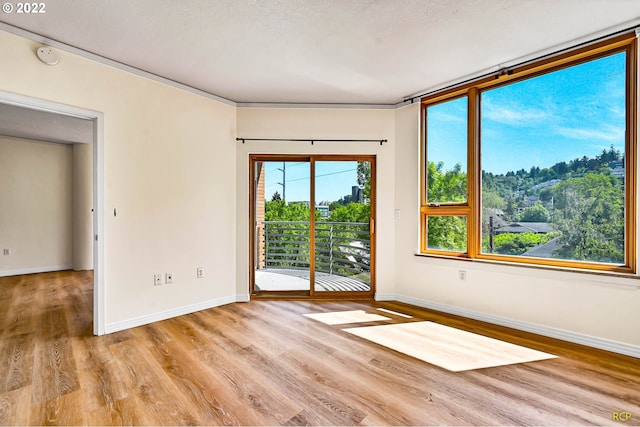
(341, 248)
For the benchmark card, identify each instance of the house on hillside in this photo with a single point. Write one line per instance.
(525, 227)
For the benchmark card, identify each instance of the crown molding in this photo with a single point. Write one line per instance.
(110, 62)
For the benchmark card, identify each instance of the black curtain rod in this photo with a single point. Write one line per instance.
(311, 140)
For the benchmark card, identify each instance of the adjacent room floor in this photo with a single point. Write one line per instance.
(268, 363)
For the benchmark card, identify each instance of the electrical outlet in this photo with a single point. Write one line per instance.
(200, 272)
(462, 275)
(6, 251)
(168, 278)
(157, 279)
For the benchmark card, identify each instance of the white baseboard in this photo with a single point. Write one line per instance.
(588, 340)
(164, 315)
(385, 297)
(33, 270)
(601, 343)
(243, 298)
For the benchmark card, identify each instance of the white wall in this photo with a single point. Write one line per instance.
(327, 124)
(588, 307)
(35, 206)
(82, 206)
(169, 161)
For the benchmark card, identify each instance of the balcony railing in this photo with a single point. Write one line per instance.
(341, 248)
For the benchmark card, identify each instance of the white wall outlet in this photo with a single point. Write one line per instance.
(6, 251)
(462, 275)
(157, 279)
(200, 272)
(168, 278)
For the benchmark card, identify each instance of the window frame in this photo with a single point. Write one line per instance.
(472, 208)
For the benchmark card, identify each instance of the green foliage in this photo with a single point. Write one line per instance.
(586, 207)
(590, 214)
(546, 194)
(447, 233)
(353, 212)
(446, 186)
(364, 179)
(492, 200)
(518, 243)
(535, 213)
(522, 181)
(279, 210)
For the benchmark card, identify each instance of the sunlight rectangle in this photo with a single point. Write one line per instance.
(345, 317)
(446, 347)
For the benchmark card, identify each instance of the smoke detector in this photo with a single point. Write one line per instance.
(47, 55)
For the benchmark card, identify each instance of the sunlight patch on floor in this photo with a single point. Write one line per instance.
(446, 347)
(344, 317)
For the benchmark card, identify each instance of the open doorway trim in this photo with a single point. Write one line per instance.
(99, 300)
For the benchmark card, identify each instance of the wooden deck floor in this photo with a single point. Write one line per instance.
(265, 363)
(283, 279)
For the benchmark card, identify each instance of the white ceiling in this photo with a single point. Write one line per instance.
(320, 51)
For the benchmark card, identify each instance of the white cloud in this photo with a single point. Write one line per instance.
(513, 114)
(605, 133)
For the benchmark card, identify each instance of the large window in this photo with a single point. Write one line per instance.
(536, 165)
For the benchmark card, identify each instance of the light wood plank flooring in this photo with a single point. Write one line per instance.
(264, 363)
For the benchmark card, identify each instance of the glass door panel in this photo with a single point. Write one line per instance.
(282, 239)
(342, 234)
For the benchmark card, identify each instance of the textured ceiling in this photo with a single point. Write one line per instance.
(320, 51)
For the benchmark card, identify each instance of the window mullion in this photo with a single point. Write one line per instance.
(473, 175)
(631, 157)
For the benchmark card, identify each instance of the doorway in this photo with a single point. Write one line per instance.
(312, 226)
(94, 164)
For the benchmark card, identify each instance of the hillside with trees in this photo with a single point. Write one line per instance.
(582, 200)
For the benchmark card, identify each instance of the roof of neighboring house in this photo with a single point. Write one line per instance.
(526, 227)
(544, 251)
(497, 215)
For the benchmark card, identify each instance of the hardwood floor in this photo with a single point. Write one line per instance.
(264, 363)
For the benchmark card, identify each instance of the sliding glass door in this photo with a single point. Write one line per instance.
(342, 239)
(312, 225)
(282, 226)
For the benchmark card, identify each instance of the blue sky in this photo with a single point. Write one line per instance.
(560, 116)
(556, 117)
(333, 180)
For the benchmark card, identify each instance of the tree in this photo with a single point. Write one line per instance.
(519, 243)
(446, 186)
(447, 233)
(535, 213)
(279, 210)
(276, 197)
(287, 237)
(492, 200)
(492, 203)
(353, 212)
(589, 212)
(546, 194)
(364, 178)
